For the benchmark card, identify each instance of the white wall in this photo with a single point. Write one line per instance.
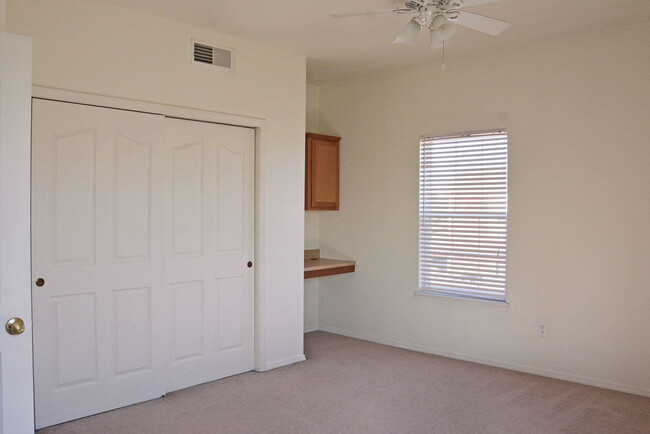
(311, 218)
(92, 47)
(3, 8)
(579, 207)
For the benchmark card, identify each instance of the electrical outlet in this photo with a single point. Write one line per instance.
(541, 330)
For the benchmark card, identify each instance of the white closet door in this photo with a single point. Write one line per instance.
(142, 234)
(97, 221)
(209, 242)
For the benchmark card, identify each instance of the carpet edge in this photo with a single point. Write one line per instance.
(588, 381)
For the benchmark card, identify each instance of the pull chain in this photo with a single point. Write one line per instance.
(443, 54)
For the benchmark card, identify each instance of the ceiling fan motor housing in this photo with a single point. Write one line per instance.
(443, 5)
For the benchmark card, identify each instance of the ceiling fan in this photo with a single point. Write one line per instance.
(440, 17)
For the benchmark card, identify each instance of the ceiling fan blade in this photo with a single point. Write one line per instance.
(358, 14)
(467, 3)
(488, 25)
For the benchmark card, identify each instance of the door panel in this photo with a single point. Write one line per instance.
(188, 312)
(211, 193)
(187, 199)
(132, 196)
(76, 344)
(74, 196)
(133, 337)
(231, 303)
(97, 198)
(231, 186)
(16, 388)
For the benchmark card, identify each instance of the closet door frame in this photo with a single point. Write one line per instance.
(170, 111)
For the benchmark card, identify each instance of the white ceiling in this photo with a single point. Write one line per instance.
(346, 48)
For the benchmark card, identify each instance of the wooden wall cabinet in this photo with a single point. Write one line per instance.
(322, 172)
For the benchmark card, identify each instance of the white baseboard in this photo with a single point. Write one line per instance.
(497, 363)
(311, 328)
(282, 362)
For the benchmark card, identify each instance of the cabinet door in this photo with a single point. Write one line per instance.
(322, 172)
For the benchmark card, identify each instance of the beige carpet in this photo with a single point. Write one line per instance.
(351, 386)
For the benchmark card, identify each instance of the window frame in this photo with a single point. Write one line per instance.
(497, 291)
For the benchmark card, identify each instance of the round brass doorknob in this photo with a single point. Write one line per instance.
(15, 326)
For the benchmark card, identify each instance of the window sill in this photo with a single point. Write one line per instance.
(472, 303)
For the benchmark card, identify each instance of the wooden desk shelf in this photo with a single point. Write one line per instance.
(315, 266)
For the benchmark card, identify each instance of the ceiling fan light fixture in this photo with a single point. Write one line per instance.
(434, 42)
(438, 21)
(410, 33)
(442, 33)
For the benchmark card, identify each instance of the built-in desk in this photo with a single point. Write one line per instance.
(315, 266)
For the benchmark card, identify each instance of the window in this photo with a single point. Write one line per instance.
(463, 215)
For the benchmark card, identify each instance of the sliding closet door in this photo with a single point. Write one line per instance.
(209, 251)
(99, 301)
(142, 256)
(142, 238)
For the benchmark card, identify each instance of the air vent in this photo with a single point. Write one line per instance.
(211, 55)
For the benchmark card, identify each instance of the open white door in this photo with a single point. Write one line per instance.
(16, 387)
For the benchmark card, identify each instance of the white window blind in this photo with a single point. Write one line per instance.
(463, 214)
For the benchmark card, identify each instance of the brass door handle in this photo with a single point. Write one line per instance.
(15, 326)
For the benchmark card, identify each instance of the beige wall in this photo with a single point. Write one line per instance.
(93, 47)
(3, 4)
(579, 207)
(311, 217)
